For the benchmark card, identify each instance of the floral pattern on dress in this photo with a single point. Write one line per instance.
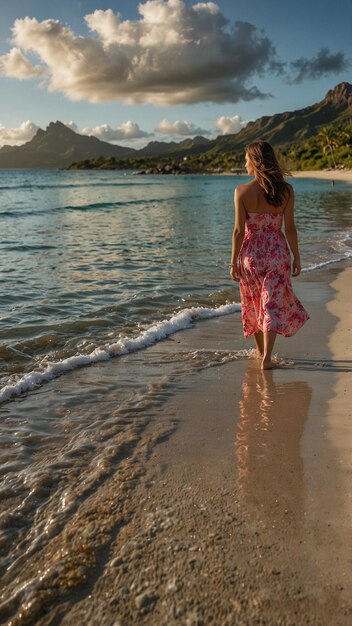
(267, 298)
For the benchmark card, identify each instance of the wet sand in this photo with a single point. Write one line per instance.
(225, 501)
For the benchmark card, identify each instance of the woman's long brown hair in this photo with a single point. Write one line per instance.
(268, 172)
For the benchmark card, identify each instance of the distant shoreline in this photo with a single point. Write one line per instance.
(335, 175)
(331, 175)
(345, 175)
(342, 175)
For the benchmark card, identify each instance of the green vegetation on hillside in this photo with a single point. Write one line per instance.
(330, 147)
(192, 163)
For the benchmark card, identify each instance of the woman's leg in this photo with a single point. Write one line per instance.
(259, 342)
(269, 340)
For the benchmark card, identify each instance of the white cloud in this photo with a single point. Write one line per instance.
(14, 64)
(185, 128)
(230, 125)
(16, 136)
(173, 53)
(73, 126)
(127, 130)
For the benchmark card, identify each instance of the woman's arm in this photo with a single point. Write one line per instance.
(238, 232)
(291, 233)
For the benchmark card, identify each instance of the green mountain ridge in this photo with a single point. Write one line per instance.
(289, 127)
(59, 146)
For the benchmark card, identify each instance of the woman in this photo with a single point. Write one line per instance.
(261, 260)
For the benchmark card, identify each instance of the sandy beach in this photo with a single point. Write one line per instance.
(343, 175)
(244, 515)
(227, 501)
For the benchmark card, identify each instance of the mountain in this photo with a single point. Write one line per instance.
(281, 128)
(58, 146)
(186, 146)
(157, 148)
(278, 129)
(288, 127)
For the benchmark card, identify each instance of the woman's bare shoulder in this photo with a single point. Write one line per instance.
(244, 188)
(289, 194)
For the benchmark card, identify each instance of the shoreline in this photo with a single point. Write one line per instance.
(247, 495)
(221, 502)
(343, 175)
(336, 175)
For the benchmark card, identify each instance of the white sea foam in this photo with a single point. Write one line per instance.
(158, 331)
(317, 266)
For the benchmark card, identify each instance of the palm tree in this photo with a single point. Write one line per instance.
(344, 133)
(327, 138)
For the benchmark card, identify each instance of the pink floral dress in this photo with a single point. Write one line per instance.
(268, 301)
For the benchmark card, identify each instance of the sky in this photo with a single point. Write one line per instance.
(131, 72)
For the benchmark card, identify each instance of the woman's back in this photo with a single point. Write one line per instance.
(254, 200)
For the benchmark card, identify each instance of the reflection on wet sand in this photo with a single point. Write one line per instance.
(269, 464)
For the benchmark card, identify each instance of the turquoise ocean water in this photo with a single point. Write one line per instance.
(91, 258)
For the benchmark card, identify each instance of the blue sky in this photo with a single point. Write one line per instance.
(284, 33)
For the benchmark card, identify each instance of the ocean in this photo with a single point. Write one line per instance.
(103, 269)
(95, 264)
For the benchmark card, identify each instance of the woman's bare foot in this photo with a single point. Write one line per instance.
(258, 355)
(267, 364)
(269, 340)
